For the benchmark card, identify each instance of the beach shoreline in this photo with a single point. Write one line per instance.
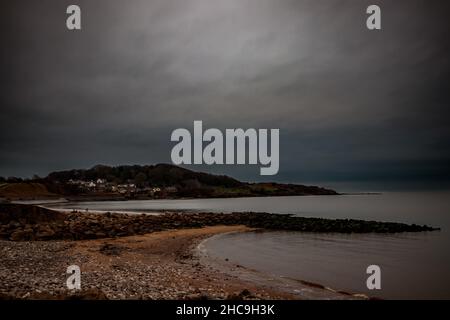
(298, 289)
(159, 265)
(141, 256)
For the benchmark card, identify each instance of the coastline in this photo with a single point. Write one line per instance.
(143, 256)
(164, 264)
(297, 288)
(159, 265)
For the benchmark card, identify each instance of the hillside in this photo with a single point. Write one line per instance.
(147, 182)
(25, 190)
(161, 175)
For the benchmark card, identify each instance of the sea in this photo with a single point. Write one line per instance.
(412, 265)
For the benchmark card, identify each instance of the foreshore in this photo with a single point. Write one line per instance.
(139, 256)
(19, 222)
(159, 265)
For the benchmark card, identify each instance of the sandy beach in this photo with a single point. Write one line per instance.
(140, 256)
(159, 265)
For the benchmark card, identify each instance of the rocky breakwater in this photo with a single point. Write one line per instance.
(20, 222)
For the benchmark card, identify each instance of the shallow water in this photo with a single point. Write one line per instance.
(413, 265)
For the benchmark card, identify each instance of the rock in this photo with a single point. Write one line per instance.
(20, 235)
(89, 234)
(100, 235)
(14, 224)
(4, 235)
(110, 249)
(112, 233)
(45, 232)
(245, 293)
(17, 225)
(196, 296)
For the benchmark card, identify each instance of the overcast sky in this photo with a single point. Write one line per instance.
(351, 104)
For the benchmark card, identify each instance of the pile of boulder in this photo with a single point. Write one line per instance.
(19, 222)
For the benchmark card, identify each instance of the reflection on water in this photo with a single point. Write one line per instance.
(414, 265)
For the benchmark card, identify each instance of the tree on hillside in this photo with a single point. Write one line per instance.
(140, 179)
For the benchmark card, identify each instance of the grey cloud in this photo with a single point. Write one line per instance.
(344, 97)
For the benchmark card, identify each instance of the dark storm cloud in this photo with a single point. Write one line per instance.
(351, 104)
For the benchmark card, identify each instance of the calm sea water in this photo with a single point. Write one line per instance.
(413, 265)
